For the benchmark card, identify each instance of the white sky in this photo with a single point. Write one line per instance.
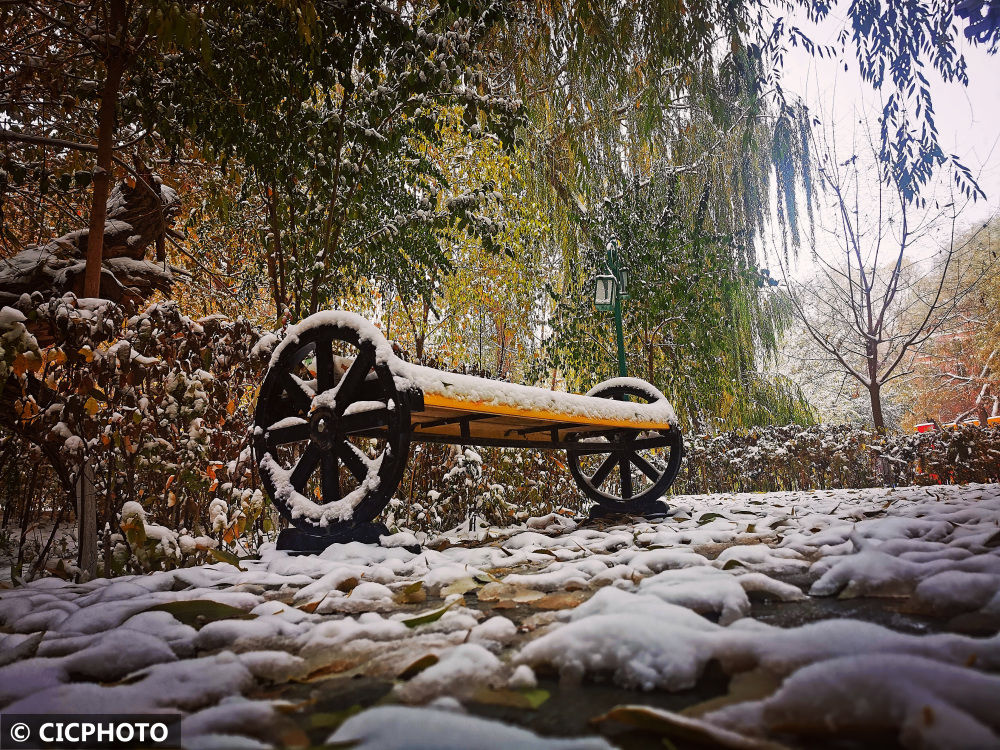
(968, 118)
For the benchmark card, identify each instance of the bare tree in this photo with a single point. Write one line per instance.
(890, 274)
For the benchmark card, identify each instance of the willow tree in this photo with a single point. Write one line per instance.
(683, 186)
(329, 125)
(687, 100)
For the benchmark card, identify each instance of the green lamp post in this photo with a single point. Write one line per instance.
(609, 291)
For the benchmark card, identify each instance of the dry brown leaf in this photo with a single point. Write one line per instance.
(674, 726)
(560, 600)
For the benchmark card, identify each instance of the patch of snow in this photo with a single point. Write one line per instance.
(402, 728)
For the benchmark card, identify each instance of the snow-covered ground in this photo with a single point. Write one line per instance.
(785, 619)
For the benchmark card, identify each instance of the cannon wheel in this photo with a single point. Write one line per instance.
(332, 428)
(626, 470)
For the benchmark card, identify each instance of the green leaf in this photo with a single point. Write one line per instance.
(529, 698)
(706, 517)
(429, 617)
(730, 564)
(198, 612)
(425, 661)
(333, 719)
(222, 555)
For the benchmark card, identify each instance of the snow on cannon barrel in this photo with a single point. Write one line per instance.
(337, 412)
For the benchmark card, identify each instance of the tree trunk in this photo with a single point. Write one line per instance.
(274, 253)
(86, 514)
(106, 116)
(874, 386)
(875, 394)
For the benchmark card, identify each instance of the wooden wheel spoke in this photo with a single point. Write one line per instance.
(330, 479)
(350, 385)
(324, 366)
(603, 471)
(297, 392)
(291, 434)
(352, 458)
(644, 466)
(625, 468)
(306, 465)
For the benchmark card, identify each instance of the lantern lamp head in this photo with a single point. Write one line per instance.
(605, 290)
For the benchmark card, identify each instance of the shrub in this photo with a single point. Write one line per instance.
(766, 459)
(158, 404)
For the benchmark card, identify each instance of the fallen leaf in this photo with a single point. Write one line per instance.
(198, 612)
(559, 600)
(461, 586)
(425, 661)
(503, 591)
(336, 667)
(332, 719)
(530, 699)
(753, 685)
(293, 737)
(674, 726)
(412, 593)
(347, 585)
(429, 617)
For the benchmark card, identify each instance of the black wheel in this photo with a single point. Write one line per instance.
(331, 432)
(626, 470)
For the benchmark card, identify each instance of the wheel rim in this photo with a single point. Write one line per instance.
(625, 469)
(331, 434)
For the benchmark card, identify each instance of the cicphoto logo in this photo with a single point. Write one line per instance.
(94, 732)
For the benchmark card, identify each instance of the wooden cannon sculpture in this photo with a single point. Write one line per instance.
(337, 412)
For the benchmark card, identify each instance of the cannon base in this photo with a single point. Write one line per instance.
(310, 542)
(651, 510)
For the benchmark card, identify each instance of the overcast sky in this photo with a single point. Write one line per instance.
(968, 118)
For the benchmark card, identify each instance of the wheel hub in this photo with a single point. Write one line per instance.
(321, 426)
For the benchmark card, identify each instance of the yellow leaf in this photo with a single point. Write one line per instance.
(26, 361)
(26, 409)
(92, 407)
(87, 353)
